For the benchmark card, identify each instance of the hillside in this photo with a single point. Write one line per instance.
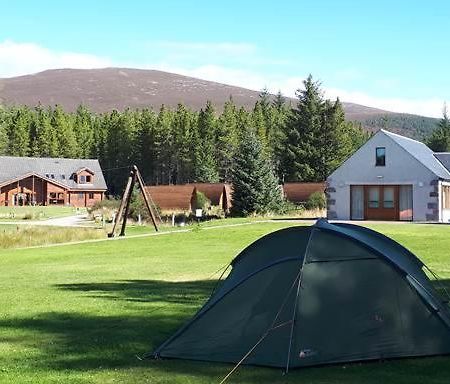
(118, 88)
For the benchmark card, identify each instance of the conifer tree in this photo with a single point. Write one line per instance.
(255, 186)
(62, 127)
(44, 136)
(439, 140)
(226, 139)
(204, 142)
(4, 116)
(83, 131)
(301, 155)
(18, 132)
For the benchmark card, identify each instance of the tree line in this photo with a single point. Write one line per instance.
(304, 141)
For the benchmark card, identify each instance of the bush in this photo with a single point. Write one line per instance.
(316, 200)
(201, 201)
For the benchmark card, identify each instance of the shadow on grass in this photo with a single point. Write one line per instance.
(147, 291)
(87, 341)
(80, 341)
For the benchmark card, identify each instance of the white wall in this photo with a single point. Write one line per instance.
(401, 168)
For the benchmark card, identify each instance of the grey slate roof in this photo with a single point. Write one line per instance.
(422, 153)
(54, 169)
(444, 158)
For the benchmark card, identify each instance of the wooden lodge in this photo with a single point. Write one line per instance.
(50, 181)
(183, 198)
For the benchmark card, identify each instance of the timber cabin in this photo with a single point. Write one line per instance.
(50, 181)
(391, 177)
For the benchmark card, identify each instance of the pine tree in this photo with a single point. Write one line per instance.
(164, 147)
(301, 155)
(146, 149)
(226, 139)
(4, 123)
(255, 186)
(18, 132)
(44, 135)
(439, 140)
(204, 146)
(62, 127)
(83, 130)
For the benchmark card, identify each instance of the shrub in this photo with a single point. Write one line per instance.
(316, 200)
(201, 201)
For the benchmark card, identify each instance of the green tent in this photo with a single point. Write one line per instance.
(328, 293)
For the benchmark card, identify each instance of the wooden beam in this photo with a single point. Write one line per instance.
(146, 198)
(127, 207)
(122, 205)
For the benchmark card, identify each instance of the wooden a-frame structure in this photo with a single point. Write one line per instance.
(124, 208)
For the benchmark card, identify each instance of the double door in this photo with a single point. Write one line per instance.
(381, 202)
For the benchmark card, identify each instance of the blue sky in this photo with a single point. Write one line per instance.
(389, 54)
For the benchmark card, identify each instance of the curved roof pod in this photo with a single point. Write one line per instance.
(316, 295)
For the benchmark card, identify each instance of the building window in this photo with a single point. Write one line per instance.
(80, 195)
(63, 177)
(388, 197)
(380, 156)
(81, 179)
(445, 197)
(374, 197)
(88, 179)
(91, 196)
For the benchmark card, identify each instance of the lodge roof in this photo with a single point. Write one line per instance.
(58, 170)
(300, 192)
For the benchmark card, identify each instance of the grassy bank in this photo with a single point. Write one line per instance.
(81, 313)
(37, 212)
(21, 236)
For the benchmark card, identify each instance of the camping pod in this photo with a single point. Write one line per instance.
(321, 294)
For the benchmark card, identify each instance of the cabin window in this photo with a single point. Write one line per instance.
(380, 156)
(91, 196)
(81, 179)
(80, 195)
(52, 176)
(63, 177)
(88, 179)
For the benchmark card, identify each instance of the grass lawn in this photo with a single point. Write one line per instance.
(81, 313)
(37, 212)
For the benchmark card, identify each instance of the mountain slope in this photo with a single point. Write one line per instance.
(119, 88)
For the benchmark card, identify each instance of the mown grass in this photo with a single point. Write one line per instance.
(81, 313)
(37, 212)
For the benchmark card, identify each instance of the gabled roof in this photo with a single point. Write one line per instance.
(422, 153)
(213, 191)
(444, 158)
(57, 170)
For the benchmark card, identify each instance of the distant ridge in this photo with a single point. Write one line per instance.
(106, 89)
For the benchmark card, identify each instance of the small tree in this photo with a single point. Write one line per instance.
(439, 141)
(255, 186)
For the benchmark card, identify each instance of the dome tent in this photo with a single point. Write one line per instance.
(328, 293)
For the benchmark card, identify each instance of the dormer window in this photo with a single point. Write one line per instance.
(88, 179)
(82, 179)
(380, 156)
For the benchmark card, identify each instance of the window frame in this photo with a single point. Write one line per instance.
(378, 158)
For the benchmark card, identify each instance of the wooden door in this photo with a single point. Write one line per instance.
(381, 202)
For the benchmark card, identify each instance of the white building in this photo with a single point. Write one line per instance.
(391, 177)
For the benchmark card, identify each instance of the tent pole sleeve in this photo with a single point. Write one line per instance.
(305, 255)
